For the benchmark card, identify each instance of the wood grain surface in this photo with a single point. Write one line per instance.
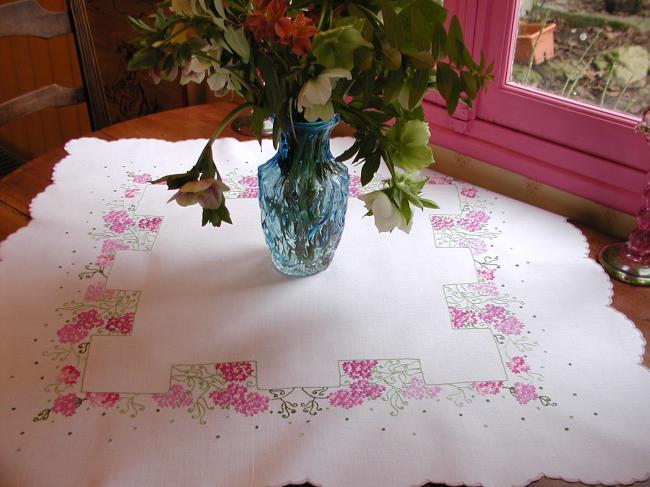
(20, 187)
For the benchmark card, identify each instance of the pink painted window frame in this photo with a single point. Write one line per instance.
(585, 150)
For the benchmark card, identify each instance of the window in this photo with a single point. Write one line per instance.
(583, 148)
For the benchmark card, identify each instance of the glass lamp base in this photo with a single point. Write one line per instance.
(614, 259)
(243, 125)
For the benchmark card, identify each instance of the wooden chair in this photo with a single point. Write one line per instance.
(28, 18)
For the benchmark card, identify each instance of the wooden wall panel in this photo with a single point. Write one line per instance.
(29, 63)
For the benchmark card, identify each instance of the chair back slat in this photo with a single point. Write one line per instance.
(90, 75)
(48, 96)
(28, 18)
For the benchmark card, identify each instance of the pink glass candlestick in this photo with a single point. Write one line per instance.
(630, 261)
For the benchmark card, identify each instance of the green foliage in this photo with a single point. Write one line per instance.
(387, 54)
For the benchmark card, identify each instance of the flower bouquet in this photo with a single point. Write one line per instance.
(305, 65)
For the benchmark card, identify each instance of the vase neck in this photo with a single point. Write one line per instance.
(306, 146)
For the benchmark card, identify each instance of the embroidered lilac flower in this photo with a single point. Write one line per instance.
(131, 192)
(250, 182)
(469, 192)
(440, 179)
(71, 333)
(488, 387)
(493, 314)
(366, 389)
(359, 369)
(355, 186)
(345, 398)
(68, 375)
(118, 221)
(485, 274)
(151, 224)
(517, 364)
(525, 392)
(121, 324)
(473, 220)
(510, 326)
(240, 399)
(418, 389)
(103, 399)
(442, 222)
(87, 320)
(235, 371)
(143, 178)
(176, 397)
(109, 247)
(460, 318)
(206, 192)
(475, 245)
(96, 291)
(66, 405)
(485, 288)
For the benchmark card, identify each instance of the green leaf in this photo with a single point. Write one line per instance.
(429, 204)
(140, 25)
(454, 35)
(446, 81)
(392, 58)
(420, 32)
(348, 154)
(421, 60)
(392, 25)
(370, 168)
(144, 59)
(393, 86)
(418, 87)
(469, 84)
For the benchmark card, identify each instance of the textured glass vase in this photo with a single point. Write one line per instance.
(303, 194)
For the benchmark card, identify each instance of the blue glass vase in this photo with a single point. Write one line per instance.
(303, 195)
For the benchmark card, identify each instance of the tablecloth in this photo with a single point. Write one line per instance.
(142, 349)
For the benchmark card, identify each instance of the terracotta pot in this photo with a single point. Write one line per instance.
(527, 41)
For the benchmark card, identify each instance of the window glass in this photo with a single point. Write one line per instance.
(592, 51)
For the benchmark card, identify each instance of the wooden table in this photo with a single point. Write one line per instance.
(20, 187)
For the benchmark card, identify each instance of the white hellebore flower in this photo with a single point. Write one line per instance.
(194, 71)
(387, 215)
(315, 94)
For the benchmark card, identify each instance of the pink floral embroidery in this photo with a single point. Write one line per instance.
(510, 326)
(359, 369)
(469, 192)
(109, 247)
(87, 320)
(103, 399)
(367, 389)
(66, 405)
(488, 387)
(241, 400)
(345, 398)
(235, 371)
(96, 291)
(419, 390)
(143, 178)
(71, 334)
(493, 314)
(355, 186)
(442, 222)
(176, 397)
(121, 324)
(460, 318)
(355, 394)
(251, 186)
(118, 221)
(68, 375)
(485, 288)
(151, 224)
(473, 220)
(440, 179)
(525, 392)
(517, 364)
(131, 192)
(475, 245)
(486, 274)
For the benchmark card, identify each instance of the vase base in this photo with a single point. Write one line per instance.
(300, 269)
(614, 260)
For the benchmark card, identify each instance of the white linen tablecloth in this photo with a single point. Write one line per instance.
(142, 349)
